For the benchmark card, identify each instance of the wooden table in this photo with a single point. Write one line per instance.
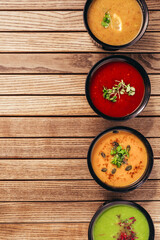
(46, 124)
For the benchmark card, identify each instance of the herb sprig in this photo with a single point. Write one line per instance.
(119, 154)
(118, 89)
(106, 20)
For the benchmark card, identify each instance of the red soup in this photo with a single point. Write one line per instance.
(116, 89)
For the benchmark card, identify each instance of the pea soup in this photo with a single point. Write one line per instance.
(121, 222)
(115, 22)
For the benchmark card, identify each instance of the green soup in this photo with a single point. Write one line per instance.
(114, 220)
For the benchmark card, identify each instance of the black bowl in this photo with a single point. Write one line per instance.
(105, 46)
(140, 69)
(136, 184)
(114, 203)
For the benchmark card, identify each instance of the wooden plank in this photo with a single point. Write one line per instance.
(67, 42)
(44, 231)
(59, 106)
(60, 231)
(53, 147)
(72, 231)
(72, 63)
(78, 190)
(57, 169)
(54, 212)
(47, 84)
(54, 21)
(52, 84)
(56, 127)
(44, 21)
(153, 20)
(55, 4)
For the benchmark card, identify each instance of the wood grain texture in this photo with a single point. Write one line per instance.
(54, 212)
(53, 147)
(52, 84)
(54, 21)
(67, 42)
(56, 127)
(52, 169)
(66, 63)
(55, 4)
(59, 106)
(78, 190)
(60, 231)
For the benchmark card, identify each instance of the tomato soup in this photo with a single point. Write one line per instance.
(107, 77)
(121, 222)
(123, 20)
(119, 158)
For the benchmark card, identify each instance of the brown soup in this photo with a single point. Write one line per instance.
(114, 168)
(122, 25)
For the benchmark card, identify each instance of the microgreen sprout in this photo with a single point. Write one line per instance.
(119, 154)
(118, 89)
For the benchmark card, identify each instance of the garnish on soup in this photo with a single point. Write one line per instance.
(116, 22)
(106, 20)
(119, 154)
(119, 89)
(127, 231)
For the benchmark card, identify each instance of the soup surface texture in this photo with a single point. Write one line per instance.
(125, 20)
(107, 76)
(106, 226)
(129, 168)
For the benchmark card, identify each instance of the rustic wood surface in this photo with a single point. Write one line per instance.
(46, 124)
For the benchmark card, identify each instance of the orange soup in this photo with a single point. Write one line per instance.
(119, 158)
(115, 22)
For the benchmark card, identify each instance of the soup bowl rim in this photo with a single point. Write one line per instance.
(138, 67)
(106, 46)
(135, 184)
(117, 202)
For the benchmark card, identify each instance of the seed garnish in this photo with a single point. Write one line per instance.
(104, 169)
(103, 154)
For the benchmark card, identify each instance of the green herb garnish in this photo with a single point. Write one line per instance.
(106, 20)
(119, 155)
(118, 89)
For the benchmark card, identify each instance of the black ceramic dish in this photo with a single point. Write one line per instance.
(135, 64)
(114, 203)
(105, 46)
(137, 183)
